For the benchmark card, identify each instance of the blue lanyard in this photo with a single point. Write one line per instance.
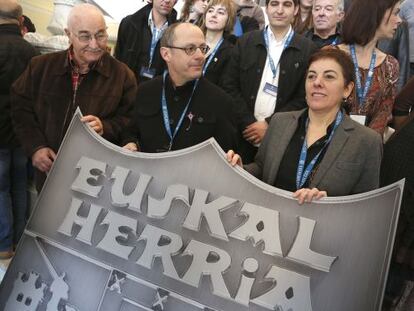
(165, 113)
(303, 173)
(271, 63)
(156, 36)
(213, 53)
(362, 93)
(335, 41)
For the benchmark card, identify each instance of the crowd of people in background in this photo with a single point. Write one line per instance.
(310, 96)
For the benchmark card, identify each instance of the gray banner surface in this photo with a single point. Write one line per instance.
(114, 230)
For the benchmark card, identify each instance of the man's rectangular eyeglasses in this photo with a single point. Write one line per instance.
(191, 49)
(87, 37)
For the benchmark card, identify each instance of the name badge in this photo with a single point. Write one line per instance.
(270, 89)
(147, 72)
(361, 119)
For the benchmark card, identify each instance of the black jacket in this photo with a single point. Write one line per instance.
(134, 40)
(210, 111)
(217, 66)
(15, 54)
(244, 73)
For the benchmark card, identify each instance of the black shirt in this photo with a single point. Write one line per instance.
(286, 176)
(209, 115)
(177, 98)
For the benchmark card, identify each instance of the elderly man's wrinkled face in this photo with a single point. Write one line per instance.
(326, 15)
(88, 37)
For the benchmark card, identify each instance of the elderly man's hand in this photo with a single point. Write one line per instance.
(255, 132)
(131, 147)
(94, 122)
(43, 159)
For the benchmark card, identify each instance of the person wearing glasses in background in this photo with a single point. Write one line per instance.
(180, 108)
(46, 95)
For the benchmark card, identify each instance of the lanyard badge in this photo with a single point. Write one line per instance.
(149, 72)
(273, 67)
(363, 91)
(270, 88)
(166, 116)
(211, 57)
(303, 172)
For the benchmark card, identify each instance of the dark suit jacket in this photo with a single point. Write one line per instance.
(244, 73)
(351, 163)
(131, 44)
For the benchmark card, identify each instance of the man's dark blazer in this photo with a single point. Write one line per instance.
(130, 43)
(243, 75)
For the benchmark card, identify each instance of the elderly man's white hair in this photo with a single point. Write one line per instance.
(83, 11)
(340, 4)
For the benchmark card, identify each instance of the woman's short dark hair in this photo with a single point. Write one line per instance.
(363, 18)
(340, 57)
(231, 11)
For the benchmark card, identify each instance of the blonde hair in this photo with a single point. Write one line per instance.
(231, 11)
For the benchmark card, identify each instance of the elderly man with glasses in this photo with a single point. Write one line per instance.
(48, 92)
(181, 108)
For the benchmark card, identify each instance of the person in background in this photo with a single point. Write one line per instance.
(249, 8)
(53, 86)
(407, 14)
(218, 21)
(180, 108)
(193, 11)
(266, 74)
(404, 103)
(319, 151)
(376, 73)
(303, 21)
(396, 165)
(27, 25)
(138, 38)
(326, 15)
(399, 47)
(15, 54)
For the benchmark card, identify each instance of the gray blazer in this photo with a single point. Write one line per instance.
(351, 163)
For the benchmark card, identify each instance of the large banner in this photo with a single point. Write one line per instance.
(184, 231)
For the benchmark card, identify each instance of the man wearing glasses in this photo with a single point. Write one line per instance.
(47, 94)
(181, 108)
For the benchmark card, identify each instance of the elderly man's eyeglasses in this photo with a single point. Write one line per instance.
(191, 49)
(87, 37)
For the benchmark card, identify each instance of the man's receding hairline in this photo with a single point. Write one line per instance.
(81, 10)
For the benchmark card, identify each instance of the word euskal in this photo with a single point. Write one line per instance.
(86, 182)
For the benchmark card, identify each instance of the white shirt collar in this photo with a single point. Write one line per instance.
(272, 39)
(152, 25)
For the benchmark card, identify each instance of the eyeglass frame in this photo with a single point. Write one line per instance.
(90, 36)
(189, 48)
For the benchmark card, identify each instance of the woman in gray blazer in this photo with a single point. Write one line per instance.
(319, 151)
